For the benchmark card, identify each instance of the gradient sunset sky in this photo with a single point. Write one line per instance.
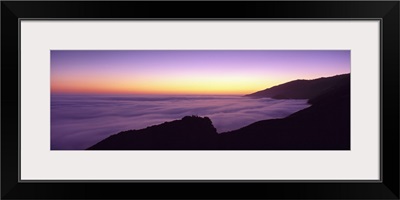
(172, 72)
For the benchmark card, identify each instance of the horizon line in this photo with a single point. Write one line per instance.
(191, 94)
(149, 94)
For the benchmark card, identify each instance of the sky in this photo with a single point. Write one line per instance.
(178, 72)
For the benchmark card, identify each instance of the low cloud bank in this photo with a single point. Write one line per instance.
(78, 122)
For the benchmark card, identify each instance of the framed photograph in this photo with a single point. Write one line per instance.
(266, 99)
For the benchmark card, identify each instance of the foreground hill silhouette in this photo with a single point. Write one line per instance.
(190, 132)
(323, 126)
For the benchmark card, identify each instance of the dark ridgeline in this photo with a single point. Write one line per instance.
(323, 126)
(188, 133)
(302, 89)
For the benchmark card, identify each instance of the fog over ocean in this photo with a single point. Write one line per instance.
(80, 121)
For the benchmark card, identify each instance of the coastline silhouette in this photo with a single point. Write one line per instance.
(325, 125)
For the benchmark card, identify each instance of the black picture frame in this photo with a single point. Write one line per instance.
(13, 11)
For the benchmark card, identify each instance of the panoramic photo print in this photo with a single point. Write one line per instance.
(200, 99)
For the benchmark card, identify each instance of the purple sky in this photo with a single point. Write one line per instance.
(188, 71)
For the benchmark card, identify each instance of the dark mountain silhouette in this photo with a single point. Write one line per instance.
(323, 126)
(302, 89)
(191, 132)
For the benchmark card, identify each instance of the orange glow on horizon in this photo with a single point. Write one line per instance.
(231, 85)
(166, 72)
(194, 86)
(166, 90)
